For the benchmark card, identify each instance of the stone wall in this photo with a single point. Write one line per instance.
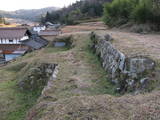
(128, 73)
(37, 77)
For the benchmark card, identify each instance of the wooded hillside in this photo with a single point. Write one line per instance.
(80, 10)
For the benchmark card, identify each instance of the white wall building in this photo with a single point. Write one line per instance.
(39, 28)
(13, 35)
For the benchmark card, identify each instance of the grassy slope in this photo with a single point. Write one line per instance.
(80, 92)
(81, 78)
(80, 71)
(13, 102)
(80, 74)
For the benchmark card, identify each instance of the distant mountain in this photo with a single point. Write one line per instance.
(30, 14)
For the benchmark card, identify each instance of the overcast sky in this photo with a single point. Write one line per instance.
(10, 5)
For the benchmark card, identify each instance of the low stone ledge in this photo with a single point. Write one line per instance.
(50, 83)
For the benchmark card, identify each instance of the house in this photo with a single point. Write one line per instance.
(38, 28)
(35, 42)
(13, 35)
(16, 41)
(12, 51)
(49, 34)
(11, 39)
(48, 24)
(51, 26)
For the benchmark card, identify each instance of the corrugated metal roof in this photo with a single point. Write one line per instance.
(12, 32)
(32, 44)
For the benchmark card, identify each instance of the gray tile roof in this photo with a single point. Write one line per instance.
(49, 33)
(35, 43)
(12, 32)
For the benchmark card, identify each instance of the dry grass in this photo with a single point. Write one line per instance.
(101, 107)
(84, 27)
(81, 96)
(131, 44)
(79, 93)
(134, 44)
(13, 102)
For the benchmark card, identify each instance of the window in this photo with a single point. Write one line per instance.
(10, 40)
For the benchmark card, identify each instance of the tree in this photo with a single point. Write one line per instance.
(118, 12)
(48, 17)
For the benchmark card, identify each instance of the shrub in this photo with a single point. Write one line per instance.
(156, 13)
(140, 11)
(118, 10)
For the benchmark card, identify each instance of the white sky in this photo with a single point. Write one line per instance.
(10, 5)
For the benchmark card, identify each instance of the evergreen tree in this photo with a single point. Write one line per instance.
(48, 17)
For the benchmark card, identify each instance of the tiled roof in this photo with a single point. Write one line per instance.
(49, 33)
(35, 43)
(12, 32)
